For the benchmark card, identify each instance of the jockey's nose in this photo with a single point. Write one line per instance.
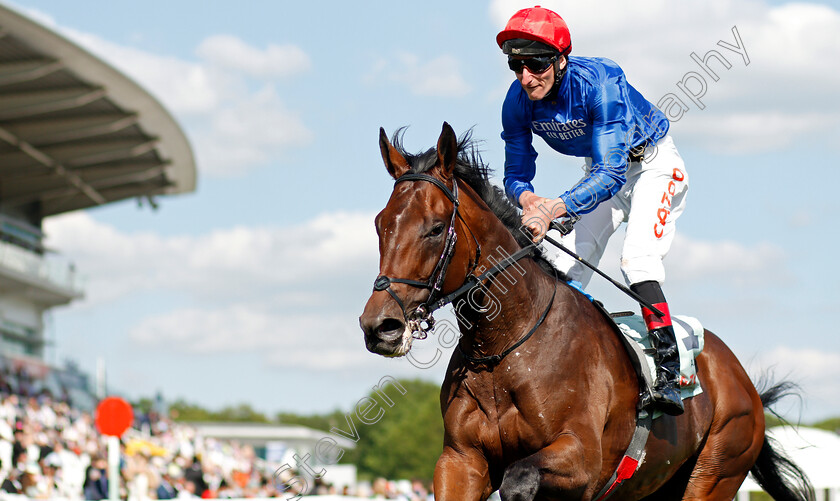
(527, 76)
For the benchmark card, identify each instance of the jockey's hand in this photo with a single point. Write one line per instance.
(538, 212)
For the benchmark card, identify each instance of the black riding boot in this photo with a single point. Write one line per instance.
(666, 388)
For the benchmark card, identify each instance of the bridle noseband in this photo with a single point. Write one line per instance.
(420, 321)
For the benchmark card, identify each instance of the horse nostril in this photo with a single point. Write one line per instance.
(390, 328)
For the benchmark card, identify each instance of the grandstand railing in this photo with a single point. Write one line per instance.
(52, 270)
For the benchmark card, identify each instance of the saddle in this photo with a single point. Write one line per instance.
(690, 341)
(630, 328)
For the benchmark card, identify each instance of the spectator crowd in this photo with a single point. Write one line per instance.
(51, 450)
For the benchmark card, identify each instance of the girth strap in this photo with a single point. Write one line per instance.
(632, 457)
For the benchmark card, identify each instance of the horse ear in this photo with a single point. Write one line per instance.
(394, 161)
(447, 150)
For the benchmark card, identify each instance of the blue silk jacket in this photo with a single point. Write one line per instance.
(596, 114)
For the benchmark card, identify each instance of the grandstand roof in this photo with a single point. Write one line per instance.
(75, 132)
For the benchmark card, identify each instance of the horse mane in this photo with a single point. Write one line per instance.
(470, 168)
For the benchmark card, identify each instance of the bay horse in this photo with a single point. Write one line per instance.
(546, 416)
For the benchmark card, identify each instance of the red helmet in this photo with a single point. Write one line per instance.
(537, 24)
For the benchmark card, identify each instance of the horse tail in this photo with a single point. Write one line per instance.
(777, 474)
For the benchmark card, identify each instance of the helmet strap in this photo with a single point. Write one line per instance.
(558, 77)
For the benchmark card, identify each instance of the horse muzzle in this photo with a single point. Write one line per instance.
(384, 335)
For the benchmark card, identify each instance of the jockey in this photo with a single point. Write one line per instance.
(584, 107)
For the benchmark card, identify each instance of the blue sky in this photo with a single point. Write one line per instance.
(249, 289)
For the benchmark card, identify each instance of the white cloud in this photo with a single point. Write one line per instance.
(728, 262)
(745, 132)
(251, 131)
(787, 91)
(280, 293)
(275, 61)
(439, 77)
(225, 264)
(313, 341)
(692, 262)
(815, 371)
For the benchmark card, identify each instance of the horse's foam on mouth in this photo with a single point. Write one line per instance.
(405, 344)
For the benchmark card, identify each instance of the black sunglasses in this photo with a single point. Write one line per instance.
(536, 65)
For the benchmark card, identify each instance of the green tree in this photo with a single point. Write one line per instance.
(316, 421)
(407, 440)
(771, 420)
(242, 413)
(832, 424)
(181, 410)
(144, 404)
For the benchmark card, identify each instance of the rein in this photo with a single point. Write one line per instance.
(421, 321)
(495, 359)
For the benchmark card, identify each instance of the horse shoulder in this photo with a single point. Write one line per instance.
(469, 410)
(573, 378)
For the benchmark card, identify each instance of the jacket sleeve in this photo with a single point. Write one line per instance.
(520, 155)
(607, 106)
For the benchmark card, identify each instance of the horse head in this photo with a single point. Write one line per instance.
(420, 255)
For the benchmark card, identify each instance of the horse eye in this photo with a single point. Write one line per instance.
(436, 230)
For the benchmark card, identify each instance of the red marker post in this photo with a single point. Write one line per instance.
(113, 417)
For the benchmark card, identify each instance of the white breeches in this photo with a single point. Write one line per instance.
(650, 202)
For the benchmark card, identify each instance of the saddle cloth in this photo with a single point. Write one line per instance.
(690, 342)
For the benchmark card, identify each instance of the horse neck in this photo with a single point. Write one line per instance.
(498, 314)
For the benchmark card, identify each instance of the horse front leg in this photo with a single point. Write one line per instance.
(461, 476)
(566, 469)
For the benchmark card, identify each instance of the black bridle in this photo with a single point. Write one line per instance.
(420, 321)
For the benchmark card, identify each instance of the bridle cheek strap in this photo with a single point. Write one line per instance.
(422, 315)
(439, 273)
